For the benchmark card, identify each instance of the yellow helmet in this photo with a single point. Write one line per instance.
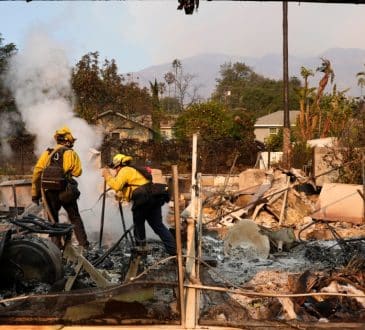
(65, 134)
(120, 159)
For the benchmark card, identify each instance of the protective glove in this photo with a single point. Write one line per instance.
(35, 199)
(105, 172)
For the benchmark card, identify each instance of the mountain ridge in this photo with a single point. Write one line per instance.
(346, 62)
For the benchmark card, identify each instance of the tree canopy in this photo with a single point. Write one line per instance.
(181, 90)
(322, 114)
(213, 121)
(239, 87)
(156, 110)
(6, 99)
(100, 87)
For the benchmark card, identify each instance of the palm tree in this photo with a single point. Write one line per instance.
(176, 64)
(306, 73)
(155, 110)
(169, 78)
(307, 119)
(361, 80)
(361, 83)
(161, 88)
(328, 74)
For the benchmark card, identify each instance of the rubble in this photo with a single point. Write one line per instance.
(246, 237)
(273, 264)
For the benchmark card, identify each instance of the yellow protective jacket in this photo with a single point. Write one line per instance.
(71, 165)
(126, 181)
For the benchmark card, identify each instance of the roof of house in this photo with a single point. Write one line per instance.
(111, 112)
(277, 118)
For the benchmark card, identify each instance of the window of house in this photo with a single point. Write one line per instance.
(273, 130)
(115, 135)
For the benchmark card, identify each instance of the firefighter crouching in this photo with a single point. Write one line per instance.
(131, 181)
(53, 173)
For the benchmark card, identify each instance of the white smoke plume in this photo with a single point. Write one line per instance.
(39, 78)
(7, 127)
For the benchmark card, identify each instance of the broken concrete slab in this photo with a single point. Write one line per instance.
(249, 181)
(340, 202)
(322, 170)
(246, 236)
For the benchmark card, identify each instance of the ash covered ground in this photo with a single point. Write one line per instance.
(323, 261)
(240, 268)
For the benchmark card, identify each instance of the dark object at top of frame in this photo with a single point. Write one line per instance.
(190, 5)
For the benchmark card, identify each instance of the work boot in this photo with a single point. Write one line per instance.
(80, 232)
(140, 250)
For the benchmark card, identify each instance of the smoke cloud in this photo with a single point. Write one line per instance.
(8, 122)
(40, 79)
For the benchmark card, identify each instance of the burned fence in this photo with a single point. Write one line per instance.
(215, 156)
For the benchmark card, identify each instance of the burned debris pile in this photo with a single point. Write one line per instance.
(264, 239)
(46, 287)
(263, 258)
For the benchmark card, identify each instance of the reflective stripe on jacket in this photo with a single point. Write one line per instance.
(71, 165)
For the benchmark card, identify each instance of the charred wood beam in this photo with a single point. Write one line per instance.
(273, 294)
(75, 256)
(281, 325)
(15, 323)
(79, 296)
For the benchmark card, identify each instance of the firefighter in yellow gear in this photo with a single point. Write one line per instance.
(133, 185)
(68, 165)
(127, 178)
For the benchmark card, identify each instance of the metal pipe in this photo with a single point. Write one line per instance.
(178, 242)
(286, 129)
(226, 180)
(110, 250)
(102, 216)
(193, 176)
(200, 224)
(15, 200)
(283, 206)
(200, 237)
(129, 236)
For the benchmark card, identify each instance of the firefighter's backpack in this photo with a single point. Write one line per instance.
(158, 191)
(53, 176)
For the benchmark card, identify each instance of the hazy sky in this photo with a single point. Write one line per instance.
(138, 34)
